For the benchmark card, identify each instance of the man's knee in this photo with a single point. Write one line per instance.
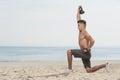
(88, 70)
(68, 52)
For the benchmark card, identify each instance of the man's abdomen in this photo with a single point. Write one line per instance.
(83, 43)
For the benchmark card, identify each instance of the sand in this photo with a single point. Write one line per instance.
(53, 70)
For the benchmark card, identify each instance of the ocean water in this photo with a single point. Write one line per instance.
(53, 53)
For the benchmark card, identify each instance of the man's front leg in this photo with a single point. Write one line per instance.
(69, 57)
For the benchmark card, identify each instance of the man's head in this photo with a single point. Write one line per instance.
(81, 24)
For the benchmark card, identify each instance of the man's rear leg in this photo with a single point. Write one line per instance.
(95, 68)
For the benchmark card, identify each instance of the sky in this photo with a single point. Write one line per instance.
(53, 22)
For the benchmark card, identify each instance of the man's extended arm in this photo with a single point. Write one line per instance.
(78, 14)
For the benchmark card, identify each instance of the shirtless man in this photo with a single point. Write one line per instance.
(85, 42)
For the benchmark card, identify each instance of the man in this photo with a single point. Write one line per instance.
(86, 42)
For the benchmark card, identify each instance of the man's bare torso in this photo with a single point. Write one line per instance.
(83, 42)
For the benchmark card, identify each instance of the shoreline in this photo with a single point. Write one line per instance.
(50, 60)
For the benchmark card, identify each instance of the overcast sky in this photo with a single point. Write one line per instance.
(53, 22)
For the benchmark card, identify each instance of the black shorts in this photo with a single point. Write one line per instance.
(77, 53)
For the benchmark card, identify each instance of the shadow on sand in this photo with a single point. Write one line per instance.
(54, 75)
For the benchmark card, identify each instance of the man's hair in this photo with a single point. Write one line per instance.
(82, 21)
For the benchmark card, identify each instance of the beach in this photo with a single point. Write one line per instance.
(54, 70)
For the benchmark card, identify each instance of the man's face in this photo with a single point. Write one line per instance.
(81, 26)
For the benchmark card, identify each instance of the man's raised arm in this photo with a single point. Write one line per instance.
(78, 14)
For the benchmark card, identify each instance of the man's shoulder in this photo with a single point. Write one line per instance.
(86, 33)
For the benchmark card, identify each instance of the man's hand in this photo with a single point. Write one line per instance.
(88, 49)
(85, 50)
(79, 7)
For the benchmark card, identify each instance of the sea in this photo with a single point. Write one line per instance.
(13, 53)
